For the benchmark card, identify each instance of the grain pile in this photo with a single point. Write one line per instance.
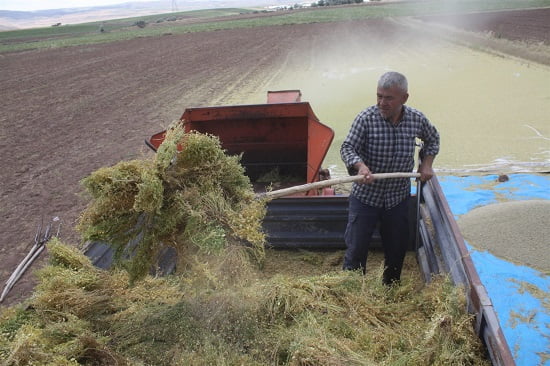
(517, 231)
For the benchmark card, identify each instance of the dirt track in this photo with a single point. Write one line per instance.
(67, 112)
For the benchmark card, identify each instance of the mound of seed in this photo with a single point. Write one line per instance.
(517, 231)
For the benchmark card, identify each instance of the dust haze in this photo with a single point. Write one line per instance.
(481, 101)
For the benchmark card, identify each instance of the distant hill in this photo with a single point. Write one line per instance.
(44, 18)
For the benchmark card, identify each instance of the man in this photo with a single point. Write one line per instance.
(382, 139)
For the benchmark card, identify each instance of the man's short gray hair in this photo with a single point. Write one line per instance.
(393, 79)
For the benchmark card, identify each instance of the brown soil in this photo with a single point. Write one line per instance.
(529, 25)
(67, 112)
(524, 34)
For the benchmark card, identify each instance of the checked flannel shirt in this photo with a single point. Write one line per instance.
(387, 148)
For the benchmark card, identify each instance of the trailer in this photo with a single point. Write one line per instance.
(285, 137)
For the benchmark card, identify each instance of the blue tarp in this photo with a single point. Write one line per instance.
(520, 294)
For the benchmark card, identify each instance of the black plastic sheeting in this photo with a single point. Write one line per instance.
(317, 223)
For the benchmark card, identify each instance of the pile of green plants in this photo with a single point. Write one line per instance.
(220, 307)
(191, 196)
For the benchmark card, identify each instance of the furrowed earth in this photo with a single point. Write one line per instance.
(67, 112)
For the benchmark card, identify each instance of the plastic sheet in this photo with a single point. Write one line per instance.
(520, 294)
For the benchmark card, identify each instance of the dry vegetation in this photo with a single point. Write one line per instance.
(83, 315)
(189, 195)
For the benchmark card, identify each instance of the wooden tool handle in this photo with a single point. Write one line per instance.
(329, 182)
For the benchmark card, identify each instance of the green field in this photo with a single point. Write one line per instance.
(209, 20)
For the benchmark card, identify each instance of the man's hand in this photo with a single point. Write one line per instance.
(425, 169)
(364, 170)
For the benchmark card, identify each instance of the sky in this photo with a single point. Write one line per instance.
(27, 5)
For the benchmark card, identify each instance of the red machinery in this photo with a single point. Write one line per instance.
(283, 136)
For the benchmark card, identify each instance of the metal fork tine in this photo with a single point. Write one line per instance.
(47, 234)
(39, 240)
(38, 232)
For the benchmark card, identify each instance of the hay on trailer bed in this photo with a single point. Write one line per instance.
(83, 315)
(191, 196)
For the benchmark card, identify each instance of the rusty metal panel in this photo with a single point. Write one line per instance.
(319, 140)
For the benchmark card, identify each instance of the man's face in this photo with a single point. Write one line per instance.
(390, 101)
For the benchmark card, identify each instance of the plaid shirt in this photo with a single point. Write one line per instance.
(387, 148)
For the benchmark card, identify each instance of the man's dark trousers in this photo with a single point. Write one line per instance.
(394, 231)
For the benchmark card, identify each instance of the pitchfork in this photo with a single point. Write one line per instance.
(40, 239)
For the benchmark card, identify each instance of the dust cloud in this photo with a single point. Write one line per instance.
(492, 111)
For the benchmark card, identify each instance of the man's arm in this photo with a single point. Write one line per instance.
(349, 151)
(431, 139)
